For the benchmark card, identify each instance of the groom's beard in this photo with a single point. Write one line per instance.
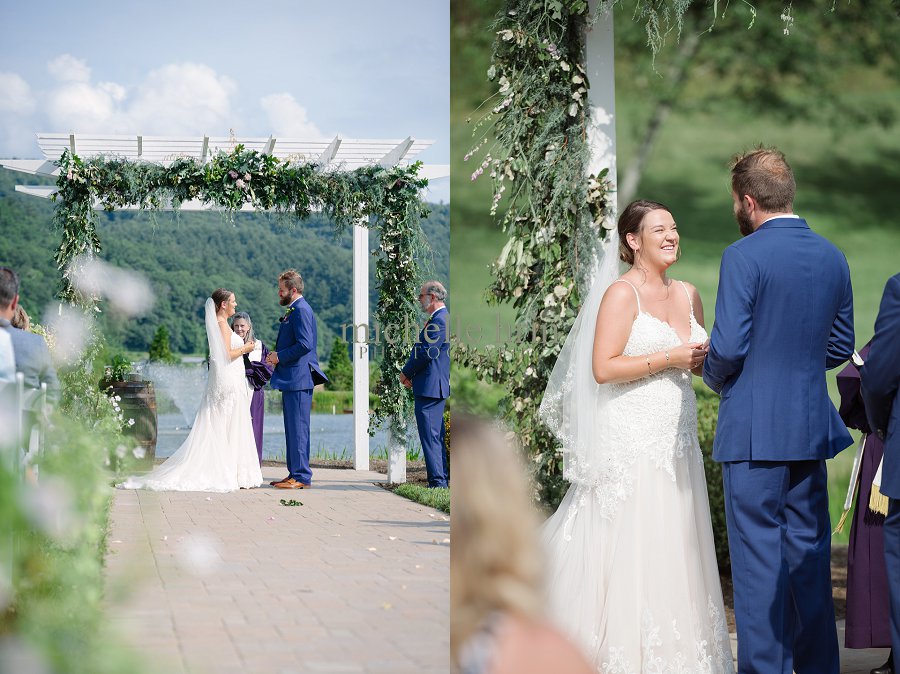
(284, 301)
(744, 222)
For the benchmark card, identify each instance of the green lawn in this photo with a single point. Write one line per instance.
(433, 497)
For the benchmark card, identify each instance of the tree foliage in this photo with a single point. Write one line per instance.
(819, 61)
(160, 351)
(340, 369)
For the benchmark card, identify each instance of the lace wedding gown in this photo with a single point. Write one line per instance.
(219, 454)
(632, 567)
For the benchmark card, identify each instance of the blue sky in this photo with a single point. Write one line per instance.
(364, 69)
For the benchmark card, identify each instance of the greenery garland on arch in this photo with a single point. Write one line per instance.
(385, 198)
(554, 210)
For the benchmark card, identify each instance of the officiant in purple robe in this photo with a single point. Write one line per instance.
(868, 621)
(258, 373)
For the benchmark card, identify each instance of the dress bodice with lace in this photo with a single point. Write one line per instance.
(632, 570)
(219, 454)
(657, 414)
(224, 378)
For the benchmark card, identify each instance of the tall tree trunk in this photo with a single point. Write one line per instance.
(631, 177)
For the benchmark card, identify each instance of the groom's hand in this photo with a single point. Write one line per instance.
(406, 381)
(272, 358)
(688, 356)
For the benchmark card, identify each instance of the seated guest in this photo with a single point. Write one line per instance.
(20, 319)
(30, 351)
(496, 602)
(258, 373)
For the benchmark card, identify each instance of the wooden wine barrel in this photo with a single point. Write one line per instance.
(139, 403)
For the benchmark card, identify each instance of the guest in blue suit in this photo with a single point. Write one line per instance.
(880, 379)
(784, 314)
(297, 372)
(427, 373)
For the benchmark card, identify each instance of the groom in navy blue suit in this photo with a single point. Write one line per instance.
(784, 314)
(297, 372)
(427, 373)
(880, 379)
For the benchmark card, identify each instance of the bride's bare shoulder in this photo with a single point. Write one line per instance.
(620, 294)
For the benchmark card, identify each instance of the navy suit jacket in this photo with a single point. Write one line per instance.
(298, 363)
(880, 378)
(428, 366)
(784, 315)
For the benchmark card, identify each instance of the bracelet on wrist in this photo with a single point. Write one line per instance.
(649, 369)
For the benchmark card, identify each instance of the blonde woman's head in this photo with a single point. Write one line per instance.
(495, 563)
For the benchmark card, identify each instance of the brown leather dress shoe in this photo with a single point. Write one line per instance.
(274, 482)
(291, 483)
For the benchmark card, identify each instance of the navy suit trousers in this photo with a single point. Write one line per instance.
(297, 407)
(779, 537)
(892, 562)
(430, 422)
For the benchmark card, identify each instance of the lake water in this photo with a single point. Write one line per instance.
(331, 436)
(182, 386)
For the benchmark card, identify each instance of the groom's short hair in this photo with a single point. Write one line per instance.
(292, 279)
(765, 175)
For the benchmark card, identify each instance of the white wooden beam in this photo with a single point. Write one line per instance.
(204, 151)
(360, 344)
(435, 171)
(328, 155)
(270, 146)
(31, 166)
(393, 157)
(42, 191)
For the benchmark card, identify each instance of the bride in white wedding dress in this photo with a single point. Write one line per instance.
(632, 574)
(219, 454)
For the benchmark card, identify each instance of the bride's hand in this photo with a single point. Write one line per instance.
(688, 356)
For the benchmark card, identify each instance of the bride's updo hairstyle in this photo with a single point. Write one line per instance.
(219, 296)
(630, 223)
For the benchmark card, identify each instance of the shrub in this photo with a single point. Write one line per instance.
(707, 414)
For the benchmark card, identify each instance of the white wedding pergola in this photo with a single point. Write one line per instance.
(329, 154)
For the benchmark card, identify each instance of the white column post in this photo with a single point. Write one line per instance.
(601, 72)
(360, 345)
(396, 472)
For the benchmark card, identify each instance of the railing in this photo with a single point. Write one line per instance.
(23, 414)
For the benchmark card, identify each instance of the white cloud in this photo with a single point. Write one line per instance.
(67, 68)
(287, 117)
(15, 95)
(175, 99)
(83, 108)
(179, 98)
(187, 98)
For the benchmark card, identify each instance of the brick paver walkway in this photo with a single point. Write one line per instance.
(853, 661)
(354, 580)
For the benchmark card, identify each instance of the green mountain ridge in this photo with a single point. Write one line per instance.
(185, 256)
